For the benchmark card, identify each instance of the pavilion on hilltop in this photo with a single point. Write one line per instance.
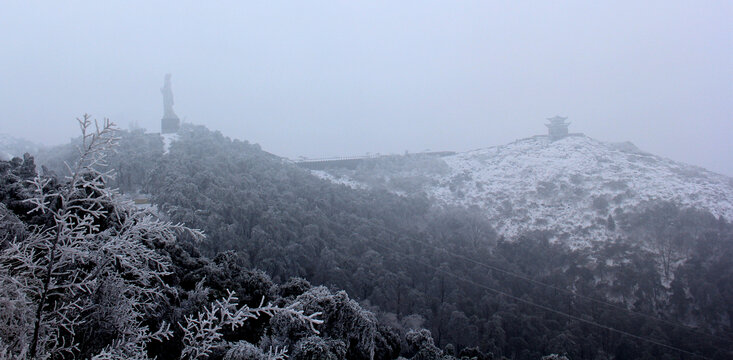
(557, 128)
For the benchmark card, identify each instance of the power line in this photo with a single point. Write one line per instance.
(522, 277)
(573, 293)
(632, 312)
(546, 308)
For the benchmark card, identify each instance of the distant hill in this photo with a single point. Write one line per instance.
(574, 186)
(11, 147)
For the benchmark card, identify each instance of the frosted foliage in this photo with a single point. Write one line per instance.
(314, 347)
(96, 256)
(243, 350)
(202, 333)
(132, 345)
(555, 357)
(419, 338)
(10, 225)
(277, 354)
(346, 318)
(15, 317)
(422, 341)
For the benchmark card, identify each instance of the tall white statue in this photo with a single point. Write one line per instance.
(167, 92)
(170, 122)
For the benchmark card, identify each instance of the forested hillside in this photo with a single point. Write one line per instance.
(576, 186)
(273, 229)
(85, 274)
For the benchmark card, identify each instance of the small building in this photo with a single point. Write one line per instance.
(557, 128)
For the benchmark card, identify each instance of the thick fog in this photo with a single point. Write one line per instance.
(320, 79)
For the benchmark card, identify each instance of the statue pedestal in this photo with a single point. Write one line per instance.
(169, 125)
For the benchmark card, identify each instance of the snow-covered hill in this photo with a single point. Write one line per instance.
(11, 147)
(573, 186)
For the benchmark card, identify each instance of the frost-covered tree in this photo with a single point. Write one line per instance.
(90, 272)
(422, 344)
(344, 319)
(316, 348)
(554, 357)
(203, 332)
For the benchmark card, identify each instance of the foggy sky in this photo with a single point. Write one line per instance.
(316, 79)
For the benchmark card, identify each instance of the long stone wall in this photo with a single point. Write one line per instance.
(353, 162)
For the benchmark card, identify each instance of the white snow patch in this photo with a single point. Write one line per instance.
(339, 180)
(168, 139)
(570, 185)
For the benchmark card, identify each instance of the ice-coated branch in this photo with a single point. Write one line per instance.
(202, 332)
(277, 353)
(132, 345)
(62, 276)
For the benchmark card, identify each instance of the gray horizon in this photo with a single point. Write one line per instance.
(339, 79)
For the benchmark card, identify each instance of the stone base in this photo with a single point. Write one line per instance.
(169, 125)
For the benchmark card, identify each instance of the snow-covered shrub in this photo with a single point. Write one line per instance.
(316, 348)
(91, 263)
(242, 350)
(10, 226)
(203, 332)
(387, 343)
(344, 319)
(294, 287)
(422, 345)
(554, 357)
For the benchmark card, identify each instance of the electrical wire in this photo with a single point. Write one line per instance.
(573, 293)
(546, 308)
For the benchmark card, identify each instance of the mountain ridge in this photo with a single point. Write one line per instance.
(11, 146)
(574, 186)
(270, 214)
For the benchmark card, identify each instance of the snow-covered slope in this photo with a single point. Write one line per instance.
(571, 185)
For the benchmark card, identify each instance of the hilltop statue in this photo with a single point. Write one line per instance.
(170, 122)
(167, 98)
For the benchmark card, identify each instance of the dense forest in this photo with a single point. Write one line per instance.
(293, 264)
